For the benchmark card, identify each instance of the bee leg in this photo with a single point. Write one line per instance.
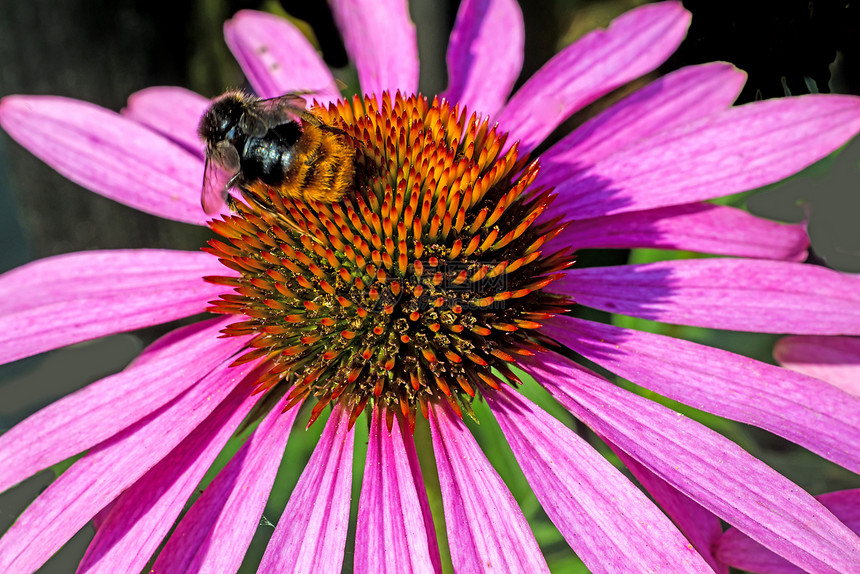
(231, 203)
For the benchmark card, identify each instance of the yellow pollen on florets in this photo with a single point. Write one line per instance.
(424, 283)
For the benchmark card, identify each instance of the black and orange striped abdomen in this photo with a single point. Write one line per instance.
(323, 165)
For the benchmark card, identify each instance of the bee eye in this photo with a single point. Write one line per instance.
(225, 124)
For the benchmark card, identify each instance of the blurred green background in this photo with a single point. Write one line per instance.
(103, 50)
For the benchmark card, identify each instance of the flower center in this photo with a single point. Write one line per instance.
(423, 283)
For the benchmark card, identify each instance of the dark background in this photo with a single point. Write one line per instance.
(103, 50)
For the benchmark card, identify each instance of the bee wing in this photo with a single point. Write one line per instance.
(222, 165)
(282, 109)
(253, 124)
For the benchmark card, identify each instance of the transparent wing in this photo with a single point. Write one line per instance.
(263, 115)
(282, 109)
(222, 165)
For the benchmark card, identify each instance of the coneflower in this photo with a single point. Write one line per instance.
(444, 272)
(411, 290)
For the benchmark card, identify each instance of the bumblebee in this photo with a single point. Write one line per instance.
(255, 145)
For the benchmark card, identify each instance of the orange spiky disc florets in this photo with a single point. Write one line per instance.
(422, 281)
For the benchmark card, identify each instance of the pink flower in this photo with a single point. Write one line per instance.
(740, 551)
(637, 175)
(837, 361)
(832, 359)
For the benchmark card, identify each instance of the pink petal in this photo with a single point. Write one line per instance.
(172, 111)
(485, 54)
(380, 38)
(392, 533)
(71, 298)
(728, 152)
(71, 276)
(739, 551)
(700, 527)
(107, 470)
(711, 470)
(217, 530)
(734, 294)
(101, 516)
(97, 412)
(418, 479)
(582, 493)
(634, 44)
(108, 154)
(311, 534)
(804, 410)
(832, 359)
(276, 57)
(487, 531)
(685, 95)
(144, 513)
(701, 227)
